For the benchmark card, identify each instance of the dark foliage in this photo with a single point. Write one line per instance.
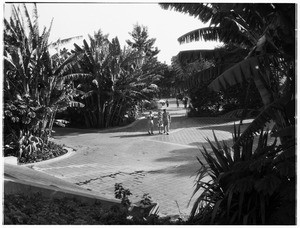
(39, 210)
(48, 151)
(252, 183)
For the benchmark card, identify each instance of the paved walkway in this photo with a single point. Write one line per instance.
(162, 165)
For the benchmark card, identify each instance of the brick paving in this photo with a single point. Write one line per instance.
(162, 165)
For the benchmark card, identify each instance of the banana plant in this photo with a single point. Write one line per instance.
(31, 73)
(258, 28)
(98, 59)
(266, 32)
(119, 80)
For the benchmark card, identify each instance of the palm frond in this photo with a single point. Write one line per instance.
(88, 52)
(9, 29)
(69, 60)
(46, 34)
(29, 23)
(19, 23)
(35, 22)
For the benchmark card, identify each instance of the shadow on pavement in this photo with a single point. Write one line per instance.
(132, 135)
(61, 131)
(188, 156)
(224, 127)
(141, 126)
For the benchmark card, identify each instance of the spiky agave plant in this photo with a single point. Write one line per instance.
(246, 185)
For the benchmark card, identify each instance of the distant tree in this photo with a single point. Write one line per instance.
(119, 80)
(167, 82)
(142, 42)
(148, 53)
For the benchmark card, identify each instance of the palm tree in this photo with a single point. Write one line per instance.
(141, 41)
(134, 83)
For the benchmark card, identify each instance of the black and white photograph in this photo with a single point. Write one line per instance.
(149, 113)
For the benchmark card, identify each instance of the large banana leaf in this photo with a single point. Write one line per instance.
(207, 75)
(204, 11)
(240, 72)
(229, 34)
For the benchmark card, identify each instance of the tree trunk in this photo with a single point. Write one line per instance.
(114, 111)
(51, 121)
(109, 114)
(99, 109)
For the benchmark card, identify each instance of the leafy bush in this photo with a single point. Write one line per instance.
(48, 151)
(39, 210)
(21, 116)
(246, 186)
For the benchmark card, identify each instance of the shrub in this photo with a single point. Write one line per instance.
(246, 186)
(45, 152)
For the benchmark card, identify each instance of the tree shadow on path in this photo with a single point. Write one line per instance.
(188, 159)
(177, 122)
(225, 126)
(132, 135)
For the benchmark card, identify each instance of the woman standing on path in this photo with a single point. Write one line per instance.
(159, 122)
(166, 121)
(150, 121)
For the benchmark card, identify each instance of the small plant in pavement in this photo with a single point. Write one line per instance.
(123, 194)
